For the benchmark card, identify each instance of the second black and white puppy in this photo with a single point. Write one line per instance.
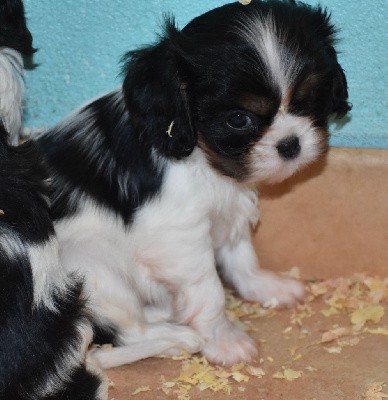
(44, 325)
(155, 183)
(45, 329)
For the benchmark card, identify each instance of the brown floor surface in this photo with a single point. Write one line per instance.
(343, 376)
(330, 221)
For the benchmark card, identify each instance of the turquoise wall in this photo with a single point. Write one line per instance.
(81, 41)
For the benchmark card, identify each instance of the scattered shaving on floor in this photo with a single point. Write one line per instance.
(360, 298)
(197, 372)
(374, 391)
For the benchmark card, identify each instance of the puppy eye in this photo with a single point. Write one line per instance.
(239, 121)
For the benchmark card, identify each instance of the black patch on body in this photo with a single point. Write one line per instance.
(77, 168)
(23, 191)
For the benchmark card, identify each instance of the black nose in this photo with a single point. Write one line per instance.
(289, 147)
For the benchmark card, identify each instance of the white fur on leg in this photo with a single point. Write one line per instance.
(240, 267)
(111, 358)
(154, 340)
(202, 306)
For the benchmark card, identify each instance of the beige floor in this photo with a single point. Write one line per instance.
(330, 221)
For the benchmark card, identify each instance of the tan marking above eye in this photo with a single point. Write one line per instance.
(259, 105)
(303, 89)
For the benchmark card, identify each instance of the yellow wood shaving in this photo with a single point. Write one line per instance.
(348, 341)
(140, 390)
(282, 110)
(198, 372)
(328, 312)
(237, 367)
(378, 331)
(334, 334)
(287, 374)
(169, 129)
(287, 330)
(239, 377)
(374, 391)
(255, 371)
(333, 349)
(370, 313)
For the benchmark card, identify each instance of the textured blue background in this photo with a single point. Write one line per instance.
(81, 41)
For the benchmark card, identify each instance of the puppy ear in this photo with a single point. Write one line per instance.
(340, 105)
(155, 93)
(3, 135)
(14, 32)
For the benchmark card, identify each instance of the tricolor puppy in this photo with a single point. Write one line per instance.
(45, 329)
(155, 182)
(15, 41)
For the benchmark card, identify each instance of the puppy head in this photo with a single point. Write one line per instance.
(252, 85)
(13, 28)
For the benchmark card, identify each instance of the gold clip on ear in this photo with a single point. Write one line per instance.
(169, 129)
(283, 110)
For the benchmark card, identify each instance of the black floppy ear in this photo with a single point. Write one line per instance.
(340, 105)
(3, 135)
(155, 94)
(14, 32)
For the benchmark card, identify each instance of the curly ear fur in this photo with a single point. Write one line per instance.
(155, 94)
(340, 105)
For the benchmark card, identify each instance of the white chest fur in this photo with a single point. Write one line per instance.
(194, 206)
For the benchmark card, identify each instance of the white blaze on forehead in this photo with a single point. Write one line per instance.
(281, 63)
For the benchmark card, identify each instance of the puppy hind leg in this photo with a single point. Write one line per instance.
(156, 339)
(110, 358)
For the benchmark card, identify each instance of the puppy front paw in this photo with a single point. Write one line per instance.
(231, 346)
(270, 289)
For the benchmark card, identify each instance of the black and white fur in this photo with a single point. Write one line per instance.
(15, 42)
(45, 328)
(155, 182)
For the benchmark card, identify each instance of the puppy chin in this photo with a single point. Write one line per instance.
(267, 164)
